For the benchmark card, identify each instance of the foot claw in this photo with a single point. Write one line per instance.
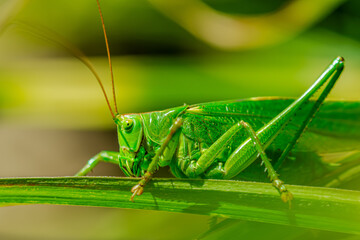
(287, 197)
(136, 190)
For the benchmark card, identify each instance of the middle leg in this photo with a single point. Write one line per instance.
(244, 155)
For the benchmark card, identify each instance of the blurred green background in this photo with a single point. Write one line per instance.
(165, 53)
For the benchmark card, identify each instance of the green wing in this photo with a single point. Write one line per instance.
(335, 128)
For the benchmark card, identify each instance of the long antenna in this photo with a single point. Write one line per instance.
(51, 36)
(108, 53)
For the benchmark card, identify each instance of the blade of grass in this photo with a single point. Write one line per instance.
(313, 207)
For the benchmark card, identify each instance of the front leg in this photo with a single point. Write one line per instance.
(104, 156)
(138, 189)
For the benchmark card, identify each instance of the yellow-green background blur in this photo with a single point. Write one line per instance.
(53, 117)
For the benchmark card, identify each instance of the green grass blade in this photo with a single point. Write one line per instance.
(313, 207)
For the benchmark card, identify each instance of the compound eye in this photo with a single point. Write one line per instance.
(128, 124)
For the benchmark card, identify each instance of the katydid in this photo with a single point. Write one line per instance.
(213, 140)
